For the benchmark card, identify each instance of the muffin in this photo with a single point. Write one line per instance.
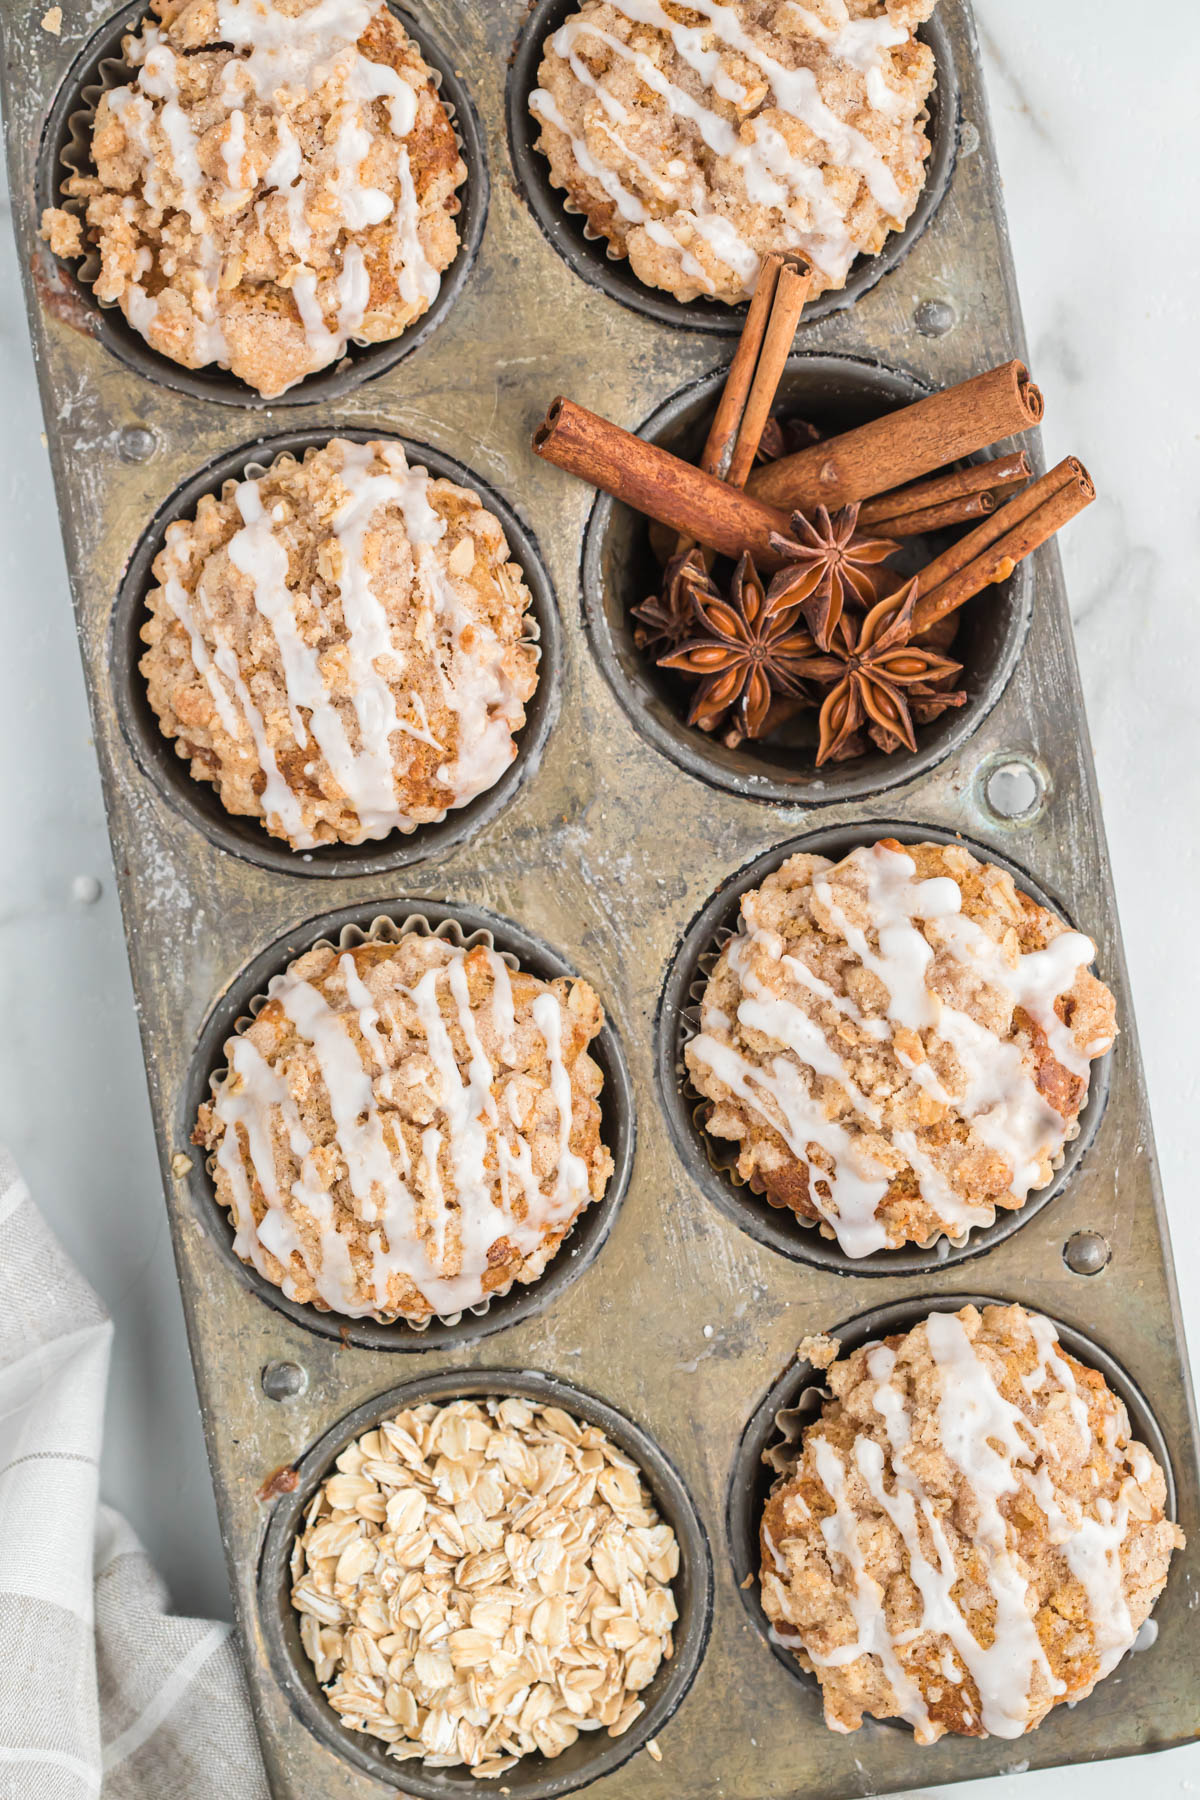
(407, 1128)
(970, 1536)
(277, 178)
(898, 1043)
(484, 1580)
(340, 646)
(698, 138)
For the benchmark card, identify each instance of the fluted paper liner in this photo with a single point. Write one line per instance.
(385, 930)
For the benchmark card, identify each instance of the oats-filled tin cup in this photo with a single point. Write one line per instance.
(670, 1530)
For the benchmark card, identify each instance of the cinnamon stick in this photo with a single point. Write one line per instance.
(902, 446)
(791, 291)
(937, 518)
(965, 549)
(992, 551)
(727, 420)
(654, 482)
(977, 478)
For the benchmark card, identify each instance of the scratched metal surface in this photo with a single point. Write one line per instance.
(608, 852)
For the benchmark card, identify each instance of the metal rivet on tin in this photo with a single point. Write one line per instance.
(1012, 787)
(968, 138)
(1086, 1253)
(934, 318)
(136, 444)
(284, 1380)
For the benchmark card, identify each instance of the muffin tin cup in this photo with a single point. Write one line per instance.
(589, 254)
(65, 150)
(534, 1777)
(710, 1161)
(464, 926)
(618, 569)
(771, 1441)
(198, 801)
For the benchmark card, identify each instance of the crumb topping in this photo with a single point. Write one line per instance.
(900, 1043)
(970, 1536)
(406, 1129)
(277, 178)
(340, 645)
(697, 138)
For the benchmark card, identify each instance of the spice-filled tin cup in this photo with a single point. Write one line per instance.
(710, 1162)
(534, 1776)
(197, 801)
(771, 1440)
(65, 150)
(464, 927)
(591, 257)
(619, 570)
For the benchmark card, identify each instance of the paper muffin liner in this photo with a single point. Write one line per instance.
(75, 158)
(772, 1442)
(721, 1155)
(385, 930)
(531, 634)
(549, 197)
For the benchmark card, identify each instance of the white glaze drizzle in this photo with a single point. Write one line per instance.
(279, 802)
(413, 1214)
(773, 176)
(473, 682)
(281, 59)
(997, 1449)
(1000, 1100)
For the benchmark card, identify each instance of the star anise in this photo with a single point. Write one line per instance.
(828, 562)
(750, 650)
(880, 680)
(668, 617)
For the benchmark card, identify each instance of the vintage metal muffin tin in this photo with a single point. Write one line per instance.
(607, 850)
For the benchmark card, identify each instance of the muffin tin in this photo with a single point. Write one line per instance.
(618, 835)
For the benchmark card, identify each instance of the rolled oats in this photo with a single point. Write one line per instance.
(482, 1580)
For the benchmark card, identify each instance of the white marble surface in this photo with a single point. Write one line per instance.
(1097, 128)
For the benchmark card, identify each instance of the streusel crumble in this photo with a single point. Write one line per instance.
(970, 1536)
(276, 178)
(340, 645)
(407, 1128)
(698, 137)
(899, 1044)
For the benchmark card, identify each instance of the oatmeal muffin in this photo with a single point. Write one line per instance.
(407, 1128)
(696, 138)
(340, 646)
(277, 178)
(899, 1043)
(484, 1580)
(970, 1536)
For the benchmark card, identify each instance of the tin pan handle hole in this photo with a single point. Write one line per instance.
(1012, 787)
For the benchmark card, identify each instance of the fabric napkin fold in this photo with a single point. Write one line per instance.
(102, 1690)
